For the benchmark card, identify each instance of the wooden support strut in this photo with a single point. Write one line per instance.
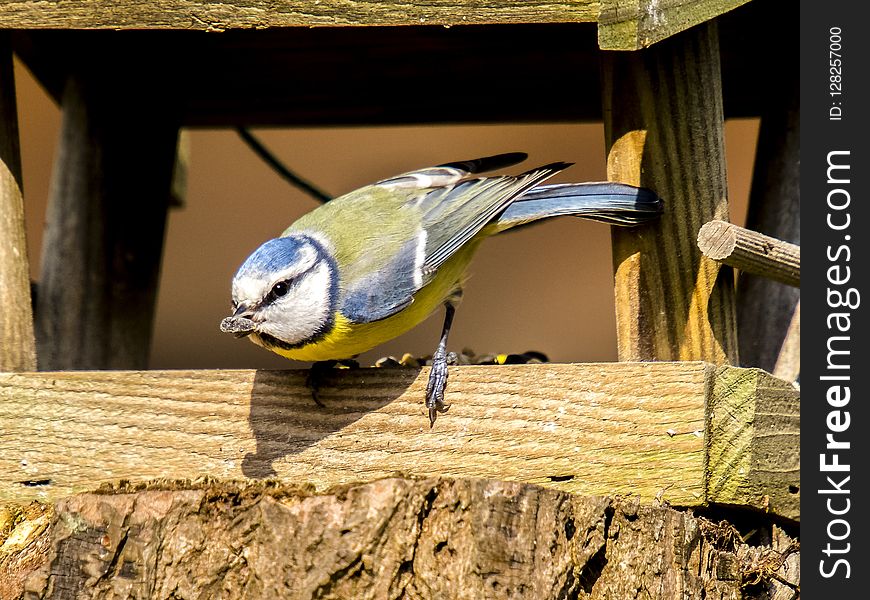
(17, 346)
(764, 306)
(663, 125)
(105, 225)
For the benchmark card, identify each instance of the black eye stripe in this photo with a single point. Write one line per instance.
(291, 282)
(279, 289)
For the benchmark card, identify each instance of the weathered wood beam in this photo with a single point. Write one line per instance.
(635, 24)
(609, 428)
(17, 345)
(751, 252)
(230, 79)
(395, 538)
(105, 223)
(754, 447)
(203, 15)
(663, 126)
(765, 307)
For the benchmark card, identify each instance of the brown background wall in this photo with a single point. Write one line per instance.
(546, 287)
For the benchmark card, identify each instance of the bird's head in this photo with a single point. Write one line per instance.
(284, 294)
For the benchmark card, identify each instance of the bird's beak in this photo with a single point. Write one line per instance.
(240, 324)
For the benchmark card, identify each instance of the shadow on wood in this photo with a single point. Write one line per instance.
(284, 419)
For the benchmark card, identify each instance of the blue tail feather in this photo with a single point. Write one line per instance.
(609, 202)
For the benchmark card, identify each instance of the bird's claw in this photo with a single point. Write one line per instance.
(436, 386)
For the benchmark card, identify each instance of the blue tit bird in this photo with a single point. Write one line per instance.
(372, 264)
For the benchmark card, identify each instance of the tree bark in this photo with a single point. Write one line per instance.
(396, 538)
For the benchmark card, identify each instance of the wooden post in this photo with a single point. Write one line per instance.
(17, 347)
(105, 224)
(764, 307)
(663, 124)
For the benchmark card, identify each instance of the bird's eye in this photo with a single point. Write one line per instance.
(279, 289)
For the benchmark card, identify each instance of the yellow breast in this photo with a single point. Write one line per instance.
(348, 339)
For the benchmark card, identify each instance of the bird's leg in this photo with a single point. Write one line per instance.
(316, 374)
(438, 375)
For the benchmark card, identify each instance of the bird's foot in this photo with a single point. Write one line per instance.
(320, 370)
(318, 373)
(316, 376)
(437, 385)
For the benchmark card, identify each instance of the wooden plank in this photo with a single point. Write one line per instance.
(636, 24)
(751, 252)
(17, 345)
(105, 223)
(239, 77)
(663, 125)
(592, 429)
(258, 14)
(755, 446)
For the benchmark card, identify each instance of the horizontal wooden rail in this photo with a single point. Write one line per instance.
(204, 15)
(751, 251)
(622, 25)
(682, 432)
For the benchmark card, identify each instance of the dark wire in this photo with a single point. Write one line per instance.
(286, 173)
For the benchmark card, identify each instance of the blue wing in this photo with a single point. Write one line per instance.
(448, 209)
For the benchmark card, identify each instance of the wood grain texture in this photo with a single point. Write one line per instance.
(17, 345)
(751, 252)
(258, 14)
(635, 24)
(395, 538)
(586, 428)
(105, 223)
(663, 125)
(609, 428)
(755, 446)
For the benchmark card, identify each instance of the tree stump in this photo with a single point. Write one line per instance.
(395, 538)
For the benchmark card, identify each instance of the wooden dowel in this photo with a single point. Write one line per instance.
(751, 252)
(17, 345)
